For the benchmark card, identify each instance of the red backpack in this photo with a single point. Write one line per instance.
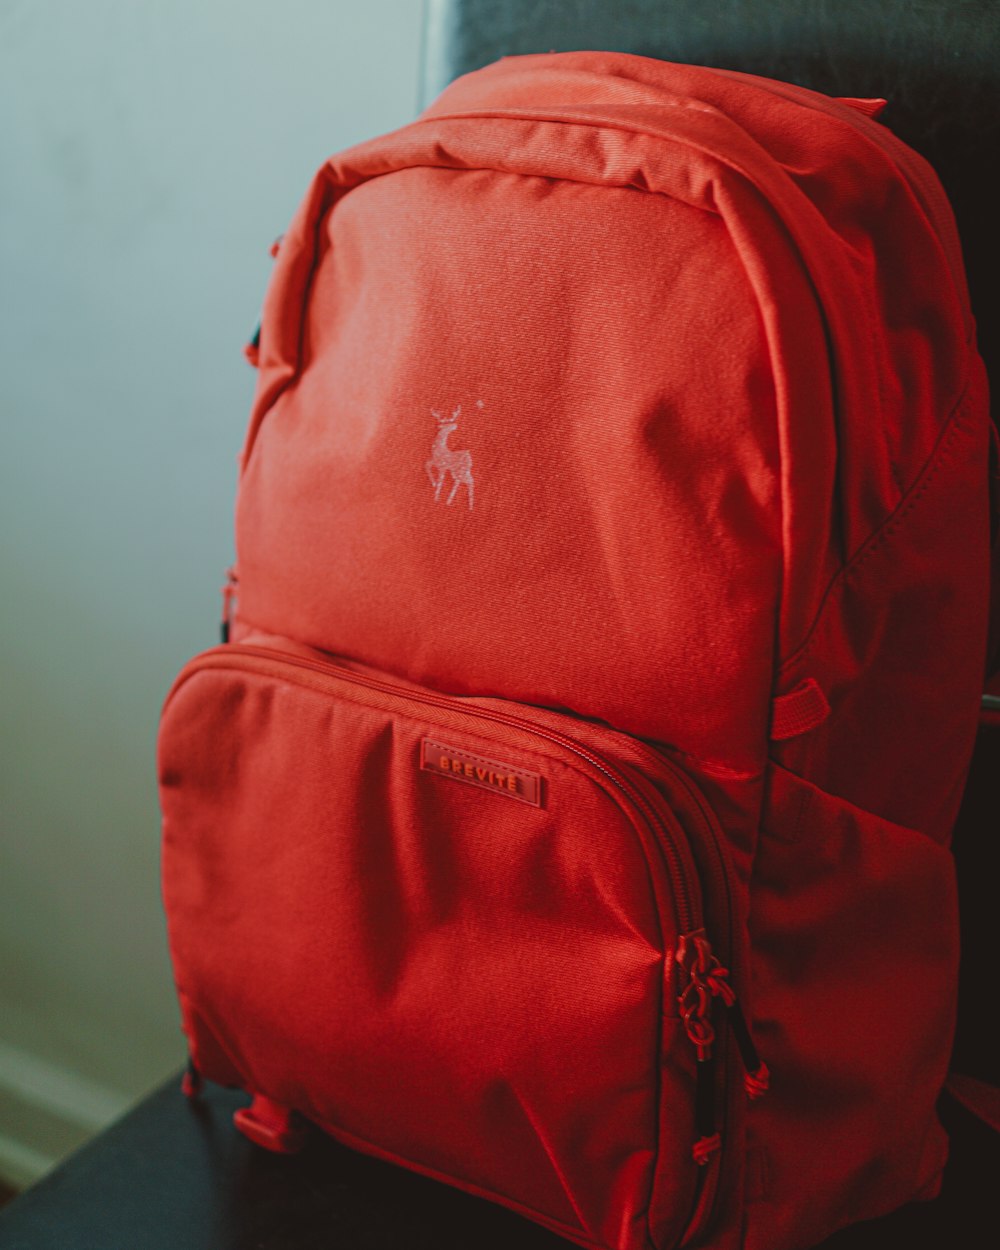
(567, 814)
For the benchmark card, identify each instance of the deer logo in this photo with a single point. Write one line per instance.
(444, 461)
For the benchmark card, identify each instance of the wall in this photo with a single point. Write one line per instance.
(150, 151)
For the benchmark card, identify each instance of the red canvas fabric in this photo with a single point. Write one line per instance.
(568, 817)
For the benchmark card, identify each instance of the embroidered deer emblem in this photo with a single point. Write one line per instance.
(443, 460)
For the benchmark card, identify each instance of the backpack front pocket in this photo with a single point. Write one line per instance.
(446, 930)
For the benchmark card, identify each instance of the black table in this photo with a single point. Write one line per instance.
(176, 1175)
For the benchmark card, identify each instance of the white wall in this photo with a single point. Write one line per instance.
(150, 151)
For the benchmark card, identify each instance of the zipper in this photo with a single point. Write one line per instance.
(682, 870)
(926, 189)
(711, 1135)
(709, 979)
(700, 977)
(656, 763)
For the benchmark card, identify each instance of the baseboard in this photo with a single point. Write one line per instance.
(47, 1112)
(20, 1166)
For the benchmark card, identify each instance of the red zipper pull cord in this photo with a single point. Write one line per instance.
(708, 979)
(708, 1139)
(229, 592)
(756, 1078)
(695, 1001)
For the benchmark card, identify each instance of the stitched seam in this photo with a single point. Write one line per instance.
(302, 307)
(500, 115)
(469, 1185)
(712, 767)
(937, 460)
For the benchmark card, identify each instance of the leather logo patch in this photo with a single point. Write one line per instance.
(505, 779)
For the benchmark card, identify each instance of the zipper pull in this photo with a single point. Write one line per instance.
(229, 593)
(756, 1077)
(251, 350)
(191, 1082)
(708, 979)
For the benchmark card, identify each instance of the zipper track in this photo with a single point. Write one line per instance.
(710, 1181)
(320, 674)
(658, 762)
(927, 191)
(680, 862)
(931, 196)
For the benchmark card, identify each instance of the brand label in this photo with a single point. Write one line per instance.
(514, 783)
